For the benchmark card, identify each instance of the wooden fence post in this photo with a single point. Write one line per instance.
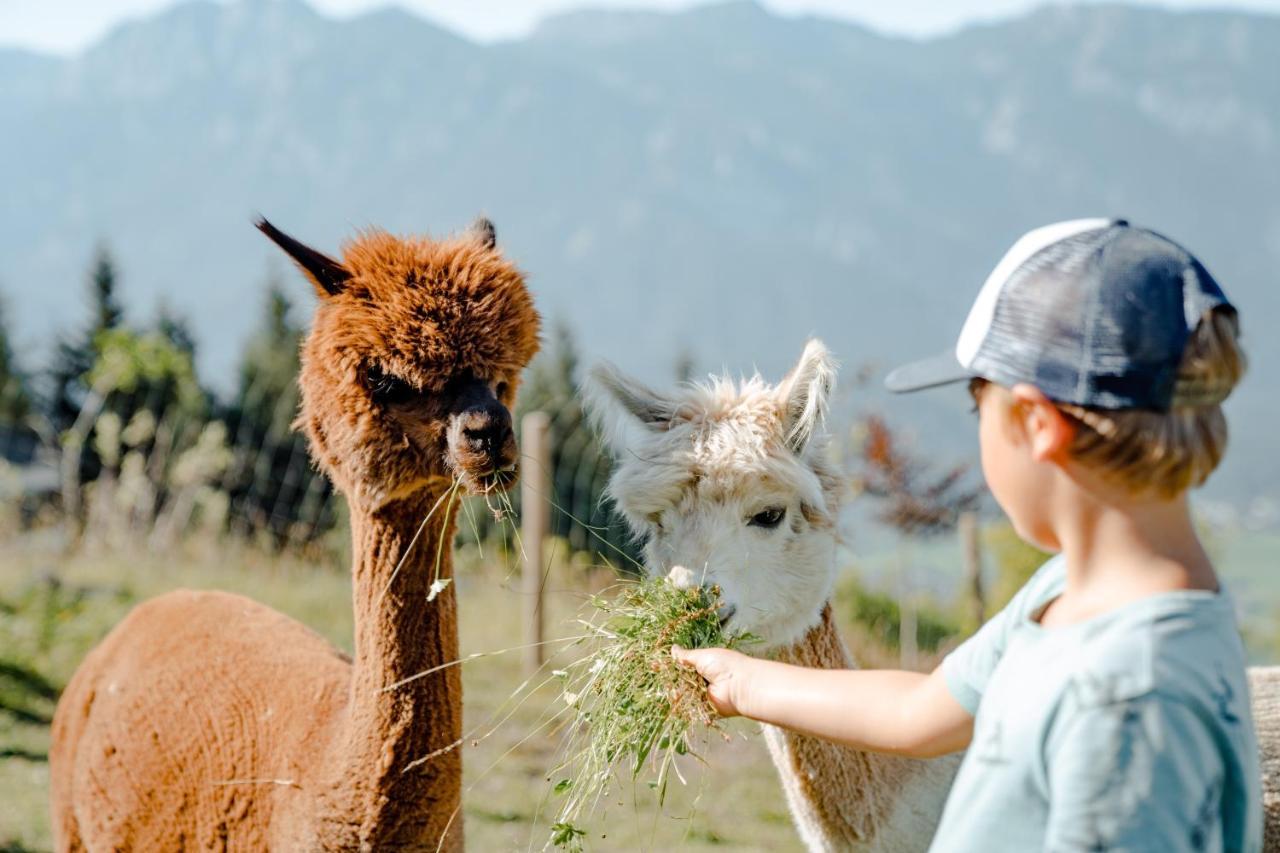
(535, 524)
(908, 628)
(971, 553)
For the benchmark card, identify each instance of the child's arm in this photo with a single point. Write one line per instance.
(907, 713)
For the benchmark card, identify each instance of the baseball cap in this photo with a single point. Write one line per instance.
(1095, 312)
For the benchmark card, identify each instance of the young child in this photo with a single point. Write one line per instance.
(1106, 707)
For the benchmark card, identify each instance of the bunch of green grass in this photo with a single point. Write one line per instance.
(635, 709)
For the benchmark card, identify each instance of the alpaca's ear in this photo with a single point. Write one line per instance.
(484, 233)
(624, 408)
(325, 273)
(805, 393)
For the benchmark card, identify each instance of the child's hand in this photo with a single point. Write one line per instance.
(726, 673)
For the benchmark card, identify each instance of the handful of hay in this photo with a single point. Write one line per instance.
(635, 708)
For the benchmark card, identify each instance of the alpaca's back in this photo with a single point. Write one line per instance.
(1265, 687)
(191, 691)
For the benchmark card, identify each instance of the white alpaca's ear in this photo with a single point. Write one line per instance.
(805, 393)
(623, 408)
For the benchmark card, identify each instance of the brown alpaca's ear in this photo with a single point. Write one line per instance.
(325, 273)
(483, 232)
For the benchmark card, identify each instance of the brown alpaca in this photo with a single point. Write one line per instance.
(206, 720)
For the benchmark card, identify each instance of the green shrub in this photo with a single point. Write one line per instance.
(881, 616)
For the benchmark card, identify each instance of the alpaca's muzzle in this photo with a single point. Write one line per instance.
(482, 442)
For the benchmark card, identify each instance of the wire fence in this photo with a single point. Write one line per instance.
(581, 514)
(145, 467)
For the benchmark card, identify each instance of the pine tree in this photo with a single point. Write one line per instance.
(267, 392)
(15, 400)
(175, 328)
(580, 464)
(273, 486)
(75, 356)
(107, 312)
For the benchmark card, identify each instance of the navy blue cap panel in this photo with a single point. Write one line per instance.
(1201, 294)
(942, 369)
(1142, 332)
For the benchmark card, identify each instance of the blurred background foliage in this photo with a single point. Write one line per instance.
(124, 474)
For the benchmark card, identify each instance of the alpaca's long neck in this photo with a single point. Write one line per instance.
(396, 753)
(846, 799)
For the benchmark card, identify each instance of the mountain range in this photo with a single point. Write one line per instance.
(720, 182)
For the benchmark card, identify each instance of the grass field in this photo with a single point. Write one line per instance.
(56, 608)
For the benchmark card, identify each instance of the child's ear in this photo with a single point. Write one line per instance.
(1048, 430)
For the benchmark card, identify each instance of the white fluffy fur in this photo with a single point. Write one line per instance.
(695, 466)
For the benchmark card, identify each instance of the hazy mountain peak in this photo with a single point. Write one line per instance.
(603, 27)
(242, 16)
(723, 180)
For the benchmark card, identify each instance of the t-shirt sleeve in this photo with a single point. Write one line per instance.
(968, 668)
(1135, 775)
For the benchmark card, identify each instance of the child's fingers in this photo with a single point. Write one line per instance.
(710, 663)
(698, 659)
(684, 656)
(715, 666)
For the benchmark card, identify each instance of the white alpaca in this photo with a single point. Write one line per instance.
(729, 484)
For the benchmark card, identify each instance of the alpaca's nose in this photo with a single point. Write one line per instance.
(487, 432)
(482, 444)
(681, 578)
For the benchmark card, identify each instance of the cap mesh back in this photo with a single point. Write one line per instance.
(1042, 318)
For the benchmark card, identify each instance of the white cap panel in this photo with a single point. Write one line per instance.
(983, 311)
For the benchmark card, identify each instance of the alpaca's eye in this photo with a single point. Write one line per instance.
(769, 518)
(500, 390)
(655, 521)
(385, 388)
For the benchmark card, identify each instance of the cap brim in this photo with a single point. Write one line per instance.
(942, 369)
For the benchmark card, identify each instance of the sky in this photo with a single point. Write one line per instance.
(65, 26)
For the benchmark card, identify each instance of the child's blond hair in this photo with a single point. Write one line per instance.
(1166, 453)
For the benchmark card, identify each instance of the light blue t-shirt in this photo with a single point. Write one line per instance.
(1130, 731)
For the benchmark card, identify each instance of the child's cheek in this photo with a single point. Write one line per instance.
(1001, 468)
(1022, 487)
(993, 462)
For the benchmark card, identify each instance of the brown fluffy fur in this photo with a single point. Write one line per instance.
(206, 720)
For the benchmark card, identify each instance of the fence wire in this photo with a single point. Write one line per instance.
(149, 468)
